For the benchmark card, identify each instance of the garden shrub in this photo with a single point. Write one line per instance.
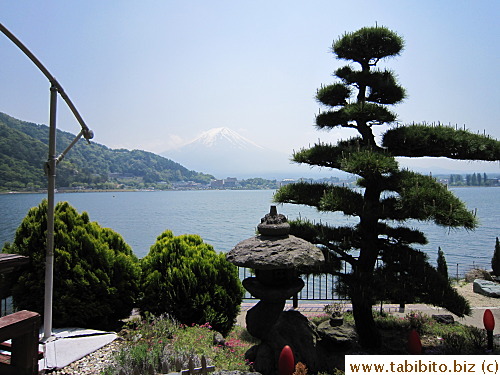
(477, 338)
(184, 277)
(454, 343)
(96, 275)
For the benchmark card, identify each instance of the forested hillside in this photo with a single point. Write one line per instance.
(24, 148)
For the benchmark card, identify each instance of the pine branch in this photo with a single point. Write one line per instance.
(423, 198)
(440, 141)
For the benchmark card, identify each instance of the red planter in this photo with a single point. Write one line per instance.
(488, 320)
(414, 343)
(286, 362)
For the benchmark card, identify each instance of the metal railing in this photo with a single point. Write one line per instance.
(317, 287)
(322, 287)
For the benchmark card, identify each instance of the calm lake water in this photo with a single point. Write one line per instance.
(225, 217)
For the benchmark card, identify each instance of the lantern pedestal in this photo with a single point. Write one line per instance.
(262, 317)
(278, 258)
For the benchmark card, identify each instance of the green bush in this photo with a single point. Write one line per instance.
(185, 278)
(96, 275)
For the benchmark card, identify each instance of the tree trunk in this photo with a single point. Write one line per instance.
(362, 283)
(361, 299)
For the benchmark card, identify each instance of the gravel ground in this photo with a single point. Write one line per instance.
(100, 359)
(93, 363)
(476, 300)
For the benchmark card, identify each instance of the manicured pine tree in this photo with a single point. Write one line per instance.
(442, 267)
(359, 102)
(495, 261)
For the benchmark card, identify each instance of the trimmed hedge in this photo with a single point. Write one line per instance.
(96, 275)
(184, 277)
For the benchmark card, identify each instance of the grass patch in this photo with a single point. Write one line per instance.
(437, 338)
(156, 344)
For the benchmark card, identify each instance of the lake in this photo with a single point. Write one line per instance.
(225, 217)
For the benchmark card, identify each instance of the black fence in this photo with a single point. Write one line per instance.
(317, 287)
(322, 287)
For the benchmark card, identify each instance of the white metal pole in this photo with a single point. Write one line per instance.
(51, 186)
(51, 172)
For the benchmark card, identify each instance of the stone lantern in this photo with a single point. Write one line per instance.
(277, 258)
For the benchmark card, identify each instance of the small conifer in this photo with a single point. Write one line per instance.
(495, 261)
(442, 267)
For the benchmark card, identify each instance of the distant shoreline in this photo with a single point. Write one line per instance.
(118, 191)
(60, 191)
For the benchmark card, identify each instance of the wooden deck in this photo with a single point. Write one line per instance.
(10, 261)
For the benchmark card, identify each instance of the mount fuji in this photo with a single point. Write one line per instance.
(223, 153)
(225, 138)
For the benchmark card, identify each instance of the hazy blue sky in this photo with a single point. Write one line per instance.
(153, 74)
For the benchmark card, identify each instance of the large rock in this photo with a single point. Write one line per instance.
(486, 288)
(477, 273)
(309, 346)
(270, 252)
(339, 337)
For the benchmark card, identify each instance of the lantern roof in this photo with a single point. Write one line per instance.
(276, 249)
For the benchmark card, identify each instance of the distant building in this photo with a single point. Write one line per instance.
(217, 184)
(187, 185)
(287, 181)
(493, 182)
(230, 182)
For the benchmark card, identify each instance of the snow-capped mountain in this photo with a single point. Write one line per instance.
(225, 153)
(220, 137)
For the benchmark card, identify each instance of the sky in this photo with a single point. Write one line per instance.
(153, 75)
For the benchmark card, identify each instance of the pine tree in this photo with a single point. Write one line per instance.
(359, 101)
(442, 267)
(495, 261)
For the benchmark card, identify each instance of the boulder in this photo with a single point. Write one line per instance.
(308, 346)
(486, 288)
(444, 319)
(477, 273)
(340, 337)
(218, 339)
